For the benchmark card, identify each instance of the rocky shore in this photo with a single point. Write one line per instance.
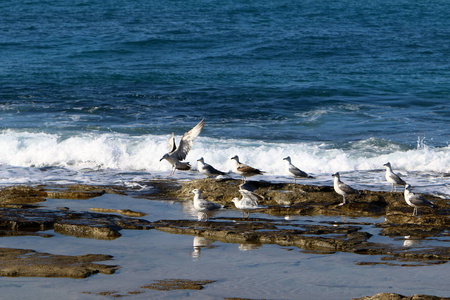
(23, 212)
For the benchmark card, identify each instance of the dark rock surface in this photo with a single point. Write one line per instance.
(29, 263)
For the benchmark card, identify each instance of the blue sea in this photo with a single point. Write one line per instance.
(90, 91)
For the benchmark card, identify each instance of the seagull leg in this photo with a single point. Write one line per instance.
(343, 202)
(172, 172)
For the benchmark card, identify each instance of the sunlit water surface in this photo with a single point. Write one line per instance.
(246, 271)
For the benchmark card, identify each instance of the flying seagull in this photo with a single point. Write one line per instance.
(342, 188)
(244, 170)
(415, 200)
(176, 155)
(207, 169)
(393, 178)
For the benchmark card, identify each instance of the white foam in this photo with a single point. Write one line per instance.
(20, 151)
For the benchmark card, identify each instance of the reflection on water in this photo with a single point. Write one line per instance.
(241, 270)
(199, 243)
(248, 247)
(411, 241)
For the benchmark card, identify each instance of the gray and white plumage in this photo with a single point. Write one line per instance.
(177, 154)
(342, 188)
(294, 171)
(244, 170)
(415, 200)
(249, 200)
(207, 169)
(392, 178)
(201, 204)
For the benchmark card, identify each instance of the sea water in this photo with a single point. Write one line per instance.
(91, 89)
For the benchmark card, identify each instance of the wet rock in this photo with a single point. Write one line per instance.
(392, 296)
(320, 238)
(103, 230)
(290, 199)
(82, 192)
(29, 263)
(79, 224)
(22, 195)
(178, 284)
(257, 231)
(125, 212)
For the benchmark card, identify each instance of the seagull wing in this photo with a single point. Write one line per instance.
(247, 169)
(419, 200)
(253, 198)
(213, 170)
(347, 189)
(397, 179)
(188, 140)
(206, 205)
(171, 143)
(297, 172)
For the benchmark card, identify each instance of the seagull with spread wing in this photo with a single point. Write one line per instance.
(177, 154)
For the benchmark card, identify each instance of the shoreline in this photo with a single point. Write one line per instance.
(23, 213)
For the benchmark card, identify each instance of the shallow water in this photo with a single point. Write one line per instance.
(247, 271)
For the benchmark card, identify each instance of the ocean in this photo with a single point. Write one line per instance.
(90, 91)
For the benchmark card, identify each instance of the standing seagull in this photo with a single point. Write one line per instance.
(415, 200)
(249, 201)
(244, 170)
(341, 188)
(203, 205)
(176, 155)
(294, 171)
(207, 169)
(393, 178)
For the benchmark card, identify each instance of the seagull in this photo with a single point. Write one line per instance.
(415, 200)
(207, 169)
(176, 155)
(294, 171)
(393, 178)
(203, 205)
(244, 170)
(249, 201)
(341, 188)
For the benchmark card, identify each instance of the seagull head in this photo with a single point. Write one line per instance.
(236, 158)
(201, 159)
(388, 165)
(287, 158)
(235, 200)
(196, 192)
(336, 175)
(165, 156)
(407, 187)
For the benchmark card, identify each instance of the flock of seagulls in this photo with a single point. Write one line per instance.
(249, 199)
